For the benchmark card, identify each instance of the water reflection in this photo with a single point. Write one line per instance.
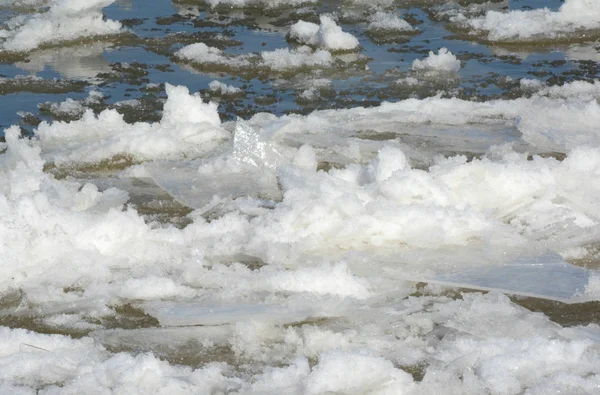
(583, 52)
(125, 5)
(75, 62)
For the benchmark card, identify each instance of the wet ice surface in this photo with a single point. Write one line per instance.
(235, 197)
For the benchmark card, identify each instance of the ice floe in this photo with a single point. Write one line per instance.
(574, 19)
(443, 61)
(328, 35)
(65, 20)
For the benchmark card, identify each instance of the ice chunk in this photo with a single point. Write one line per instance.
(328, 35)
(333, 375)
(223, 89)
(388, 22)
(65, 20)
(282, 59)
(443, 61)
(195, 313)
(286, 59)
(247, 169)
(546, 277)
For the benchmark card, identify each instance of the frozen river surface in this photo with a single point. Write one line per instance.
(290, 197)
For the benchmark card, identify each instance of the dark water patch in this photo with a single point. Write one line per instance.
(147, 108)
(417, 371)
(249, 261)
(144, 58)
(98, 169)
(132, 22)
(128, 316)
(181, 346)
(16, 312)
(562, 313)
(38, 325)
(164, 211)
(12, 57)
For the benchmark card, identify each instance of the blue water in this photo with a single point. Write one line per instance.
(483, 65)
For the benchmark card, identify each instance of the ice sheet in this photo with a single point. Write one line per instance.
(575, 19)
(244, 169)
(546, 277)
(198, 313)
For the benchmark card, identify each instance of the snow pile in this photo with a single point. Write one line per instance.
(188, 127)
(444, 61)
(571, 20)
(508, 201)
(328, 35)
(501, 198)
(66, 20)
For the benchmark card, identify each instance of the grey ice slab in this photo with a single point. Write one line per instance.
(171, 314)
(546, 277)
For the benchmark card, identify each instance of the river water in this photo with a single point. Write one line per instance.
(275, 196)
